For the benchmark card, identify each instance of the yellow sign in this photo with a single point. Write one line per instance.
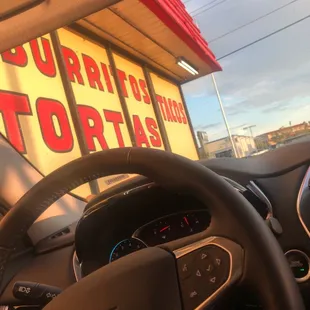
(176, 123)
(35, 117)
(35, 114)
(139, 103)
(95, 93)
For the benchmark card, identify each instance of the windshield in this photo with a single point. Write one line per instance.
(263, 49)
(68, 94)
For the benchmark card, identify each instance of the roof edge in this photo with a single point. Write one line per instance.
(174, 15)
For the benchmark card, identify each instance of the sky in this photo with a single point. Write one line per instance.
(267, 84)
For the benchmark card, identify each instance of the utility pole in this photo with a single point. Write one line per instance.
(251, 132)
(250, 128)
(224, 116)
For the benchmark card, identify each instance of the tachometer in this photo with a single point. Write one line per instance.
(126, 247)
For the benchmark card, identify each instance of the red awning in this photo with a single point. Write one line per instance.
(174, 15)
(156, 32)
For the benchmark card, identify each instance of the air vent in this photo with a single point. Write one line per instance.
(60, 233)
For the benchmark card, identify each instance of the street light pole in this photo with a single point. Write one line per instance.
(224, 115)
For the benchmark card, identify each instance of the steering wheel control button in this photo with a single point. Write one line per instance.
(203, 255)
(213, 280)
(207, 270)
(186, 266)
(192, 296)
(300, 264)
(35, 293)
(198, 273)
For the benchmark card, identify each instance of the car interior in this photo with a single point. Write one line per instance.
(217, 234)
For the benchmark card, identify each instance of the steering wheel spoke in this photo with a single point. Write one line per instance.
(206, 269)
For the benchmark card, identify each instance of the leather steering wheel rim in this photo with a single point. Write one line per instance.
(176, 173)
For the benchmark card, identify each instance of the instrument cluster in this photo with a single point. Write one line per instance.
(162, 230)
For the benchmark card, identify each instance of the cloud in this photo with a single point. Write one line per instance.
(201, 95)
(234, 108)
(239, 126)
(267, 83)
(207, 126)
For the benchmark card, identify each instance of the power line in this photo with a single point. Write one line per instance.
(265, 37)
(198, 11)
(210, 8)
(253, 21)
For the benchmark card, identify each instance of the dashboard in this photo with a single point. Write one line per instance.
(145, 216)
(141, 214)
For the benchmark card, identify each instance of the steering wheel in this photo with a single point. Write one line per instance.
(190, 273)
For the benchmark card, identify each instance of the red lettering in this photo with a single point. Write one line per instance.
(122, 78)
(177, 112)
(146, 96)
(151, 127)
(181, 108)
(141, 137)
(16, 56)
(73, 65)
(46, 65)
(48, 110)
(168, 112)
(107, 78)
(12, 105)
(171, 110)
(94, 130)
(92, 72)
(161, 102)
(116, 118)
(135, 87)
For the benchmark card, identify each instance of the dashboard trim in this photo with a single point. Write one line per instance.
(303, 187)
(77, 270)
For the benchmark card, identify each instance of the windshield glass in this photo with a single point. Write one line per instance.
(68, 94)
(263, 49)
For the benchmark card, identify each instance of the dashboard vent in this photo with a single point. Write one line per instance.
(60, 233)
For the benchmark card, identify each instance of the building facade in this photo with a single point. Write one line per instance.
(245, 146)
(281, 135)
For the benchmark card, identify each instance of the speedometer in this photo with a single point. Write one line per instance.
(126, 247)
